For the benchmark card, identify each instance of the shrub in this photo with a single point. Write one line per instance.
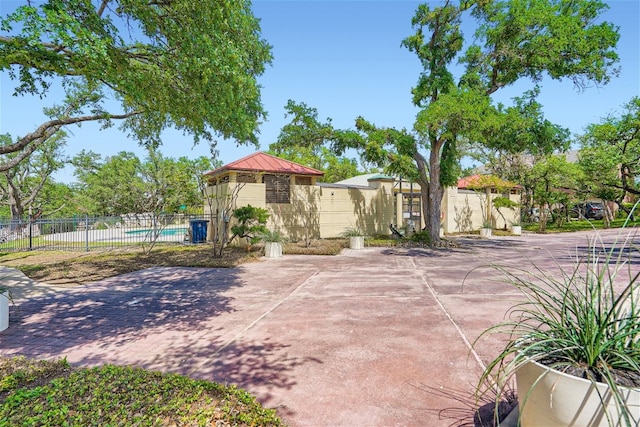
(115, 395)
(251, 223)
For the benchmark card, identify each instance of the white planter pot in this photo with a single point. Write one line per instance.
(273, 249)
(356, 242)
(4, 310)
(485, 233)
(516, 230)
(551, 398)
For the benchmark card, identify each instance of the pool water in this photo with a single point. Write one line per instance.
(165, 232)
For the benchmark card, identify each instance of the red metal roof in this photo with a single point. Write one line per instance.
(262, 162)
(477, 180)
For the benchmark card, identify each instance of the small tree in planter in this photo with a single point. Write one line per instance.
(504, 202)
(574, 343)
(251, 223)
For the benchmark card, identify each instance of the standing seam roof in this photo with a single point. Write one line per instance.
(262, 162)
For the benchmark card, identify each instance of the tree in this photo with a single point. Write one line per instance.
(21, 184)
(553, 181)
(221, 203)
(484, 185)
(538, 137)
(307, 141)
(610, 155)
(252, 222)
(111, 187)
(184, 175)
(171, 184)
(57, 200)
(123, 183)
(191, 65)
(505, 202)
(515, 40)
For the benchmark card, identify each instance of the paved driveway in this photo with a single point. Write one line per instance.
(376, 337)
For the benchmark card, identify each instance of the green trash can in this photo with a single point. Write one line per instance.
(198, 231)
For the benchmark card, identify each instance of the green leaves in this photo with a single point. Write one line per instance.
(251, 223)
(308, 141)
(532, 38)
(436, 52)
(190, 65)
(123, 183)
(113, 395)
(523, 128)
(387, 147)
(610, 152)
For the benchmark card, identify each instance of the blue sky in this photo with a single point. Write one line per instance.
(344, 58)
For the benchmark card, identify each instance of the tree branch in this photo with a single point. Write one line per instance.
(102, 7)
(30, 142)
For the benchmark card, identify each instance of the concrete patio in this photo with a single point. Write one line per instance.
(375, 337)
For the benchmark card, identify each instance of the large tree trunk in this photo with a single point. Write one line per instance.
(423, 180)
(431, 190)
(15, 201)
(435, 194)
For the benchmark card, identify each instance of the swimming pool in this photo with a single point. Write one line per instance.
(164, 232)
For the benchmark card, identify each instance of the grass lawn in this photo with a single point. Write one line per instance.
(582, 225)
(52, 393)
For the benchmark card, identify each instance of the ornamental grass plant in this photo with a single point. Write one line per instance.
(273, 236)
(352, 232)
(584, 322)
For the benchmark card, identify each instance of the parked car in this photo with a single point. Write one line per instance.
(588, 210)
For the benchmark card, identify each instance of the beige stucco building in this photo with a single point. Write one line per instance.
(304, 208)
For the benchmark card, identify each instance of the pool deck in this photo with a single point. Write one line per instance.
(373, 337)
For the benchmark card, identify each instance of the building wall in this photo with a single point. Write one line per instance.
(326, 212)
(466, 210)
(369, 210)
(300, 219)
(314, 212)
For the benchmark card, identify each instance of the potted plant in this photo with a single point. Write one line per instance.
(355, 236)
(486, 229)
(574, 343)
(516, 228)
(273, 243)
(5, 299)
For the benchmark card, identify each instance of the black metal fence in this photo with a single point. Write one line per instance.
(84, 233)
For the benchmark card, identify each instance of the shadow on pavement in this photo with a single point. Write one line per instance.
(180, 320)
(121, 309)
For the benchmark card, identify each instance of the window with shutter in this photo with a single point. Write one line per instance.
(303, 180)
(277, 188)
(246, 177)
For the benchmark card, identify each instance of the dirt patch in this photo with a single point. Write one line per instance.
(70, 269)
(73, 268)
